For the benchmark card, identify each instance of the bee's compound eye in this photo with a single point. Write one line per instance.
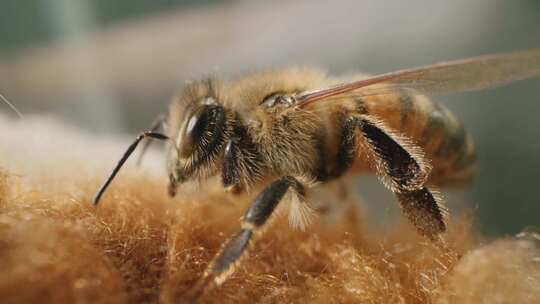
(194, 130)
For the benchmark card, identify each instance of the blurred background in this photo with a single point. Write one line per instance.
(110, 67)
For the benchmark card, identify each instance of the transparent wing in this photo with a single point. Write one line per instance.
(448, 77)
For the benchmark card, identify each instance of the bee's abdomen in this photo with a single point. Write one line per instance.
(434, 128)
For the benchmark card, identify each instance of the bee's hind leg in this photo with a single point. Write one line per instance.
(403, 169)
(255, 217)
(399, 163)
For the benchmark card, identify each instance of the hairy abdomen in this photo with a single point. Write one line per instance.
(431, 126)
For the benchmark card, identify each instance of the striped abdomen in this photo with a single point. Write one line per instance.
(433, 127)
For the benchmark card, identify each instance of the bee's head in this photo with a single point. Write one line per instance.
(200, 129)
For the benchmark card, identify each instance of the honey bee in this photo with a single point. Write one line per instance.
(292, 129)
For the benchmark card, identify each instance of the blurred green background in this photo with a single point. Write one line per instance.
(111, 66)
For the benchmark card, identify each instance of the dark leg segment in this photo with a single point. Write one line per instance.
(232, 251)
(266, 201)
(242, 163)
(256, 216)
(348, 148)
(230, 174)
(425, 211)
(346, 153)
(398, 159)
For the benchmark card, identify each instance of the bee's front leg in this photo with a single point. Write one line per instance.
(255, 217)
(242, 164)
(230, 173)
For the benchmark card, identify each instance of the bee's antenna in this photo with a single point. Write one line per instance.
(124, 158)
(159, 123)
(11, 106)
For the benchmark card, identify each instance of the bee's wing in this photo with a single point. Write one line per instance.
(442, 78)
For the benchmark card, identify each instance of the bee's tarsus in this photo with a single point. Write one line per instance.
(122, 160)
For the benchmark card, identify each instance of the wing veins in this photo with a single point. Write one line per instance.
(443, 78)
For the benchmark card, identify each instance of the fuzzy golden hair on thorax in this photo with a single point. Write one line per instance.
(285, 136)
(252, 88)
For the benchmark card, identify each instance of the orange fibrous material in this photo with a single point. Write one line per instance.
(141, 246)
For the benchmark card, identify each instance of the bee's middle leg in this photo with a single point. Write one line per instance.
(346, 153)
(337, 197)
(255, 217)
